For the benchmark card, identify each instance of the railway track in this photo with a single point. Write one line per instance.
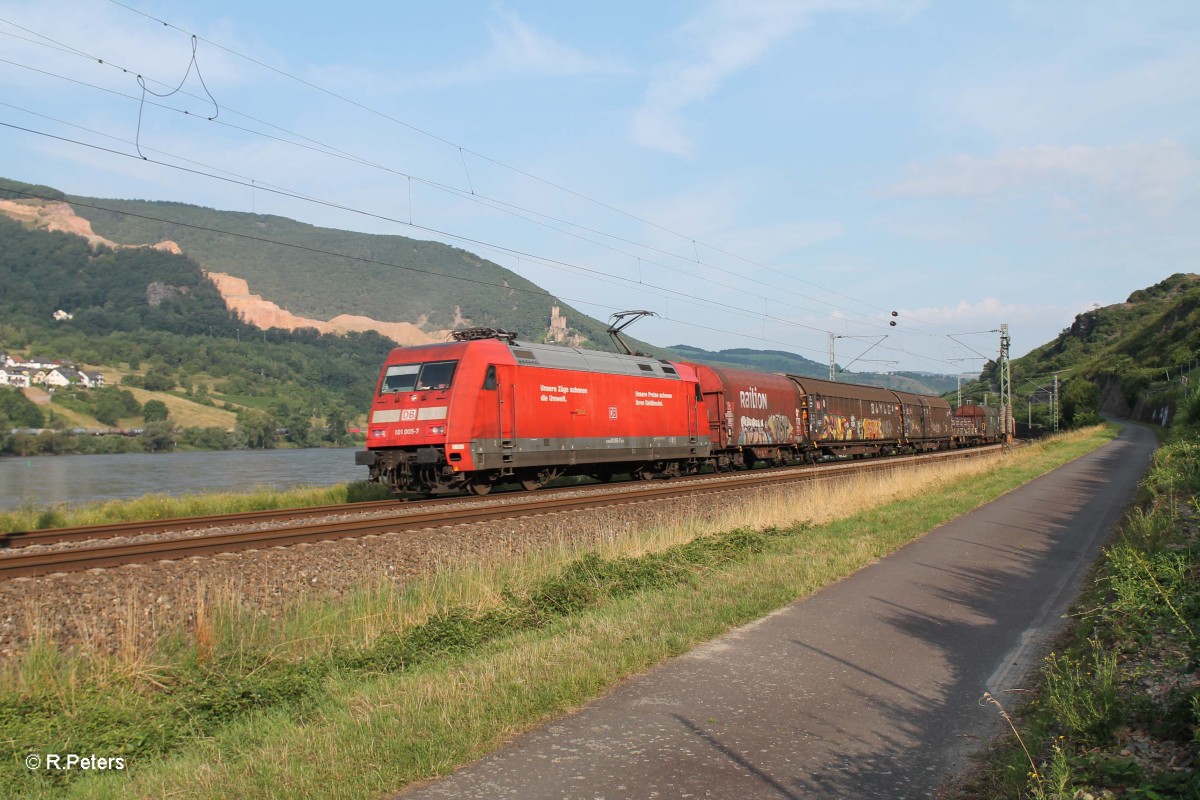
(19, 562)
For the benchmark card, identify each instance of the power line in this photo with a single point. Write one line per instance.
(552, 263)
(331, 151)
(490, 202)
(462, 149)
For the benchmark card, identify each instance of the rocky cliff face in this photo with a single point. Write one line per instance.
(263, 313)
(253, 308)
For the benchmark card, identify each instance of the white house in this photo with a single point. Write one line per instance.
(63, 376)
(41, 362)
(14, 376)
(91, 379)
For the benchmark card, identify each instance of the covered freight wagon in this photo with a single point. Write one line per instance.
(928, 421)
(751, 416)
(849, 419)
(976, 424)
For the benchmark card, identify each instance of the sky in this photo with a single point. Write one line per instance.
(758, 174)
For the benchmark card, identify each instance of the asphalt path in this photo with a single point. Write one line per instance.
(870, 688)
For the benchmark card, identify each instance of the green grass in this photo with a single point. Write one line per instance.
(161, 506)
(359, 697)
(1125, 669)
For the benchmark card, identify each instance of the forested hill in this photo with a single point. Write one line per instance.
(155, 313)
(323, 272)
(1129, 349)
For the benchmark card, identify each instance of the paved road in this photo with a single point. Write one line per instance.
(868, 689)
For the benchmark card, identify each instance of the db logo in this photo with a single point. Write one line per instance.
(408, 414)
(612, 412)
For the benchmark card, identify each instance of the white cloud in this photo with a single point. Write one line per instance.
(723, 39)
(1030, 324)
(516, 49)
(1157, 173)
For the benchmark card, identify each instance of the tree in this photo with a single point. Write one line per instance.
(159, 379)
(19, 410)
(159, 436)
(256, 428)
(1080, 401)
(155, 411)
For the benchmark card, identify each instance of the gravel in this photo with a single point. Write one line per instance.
(111, 609)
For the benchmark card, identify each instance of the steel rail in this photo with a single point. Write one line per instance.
(25, 564)
(110, 530)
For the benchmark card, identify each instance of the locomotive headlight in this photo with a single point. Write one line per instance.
(437, 430)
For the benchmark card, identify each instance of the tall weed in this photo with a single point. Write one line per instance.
(1081, 691)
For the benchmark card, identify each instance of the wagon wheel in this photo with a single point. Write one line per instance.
(536, 480)
(644, 473)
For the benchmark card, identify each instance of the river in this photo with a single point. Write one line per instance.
(49, 480)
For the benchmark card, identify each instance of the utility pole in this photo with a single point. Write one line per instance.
(832, 365)
(1006, 418)
(1054, 404)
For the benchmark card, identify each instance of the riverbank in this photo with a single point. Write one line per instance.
(434, 673)
(78, 488)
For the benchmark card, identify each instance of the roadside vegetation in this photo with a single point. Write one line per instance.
(160, 506)
(1117, 709)
(427, 675)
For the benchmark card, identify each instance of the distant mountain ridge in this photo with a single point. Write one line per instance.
(793, 364)
(405, 288)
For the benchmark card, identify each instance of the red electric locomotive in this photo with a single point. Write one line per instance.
(486, 408)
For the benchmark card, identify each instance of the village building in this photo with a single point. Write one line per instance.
(14, 376)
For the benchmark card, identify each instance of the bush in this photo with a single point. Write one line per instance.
(155, 411)
(211, 438)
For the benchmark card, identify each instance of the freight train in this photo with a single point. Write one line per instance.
(488, 409)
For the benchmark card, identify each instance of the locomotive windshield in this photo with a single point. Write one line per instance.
(418, 377)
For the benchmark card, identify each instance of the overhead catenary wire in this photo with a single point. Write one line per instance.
(517, 170)
(334, 152)
(366, 260)
(469, 194)
(594, 274)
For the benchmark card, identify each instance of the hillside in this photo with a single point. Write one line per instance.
(278, 273)
(1134, 353)
(153, 321)
(327, 272)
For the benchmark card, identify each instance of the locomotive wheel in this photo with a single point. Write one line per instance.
(530, 484)
(480, 488)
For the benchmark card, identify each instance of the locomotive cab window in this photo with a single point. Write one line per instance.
(489, 380)
(418, 377)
